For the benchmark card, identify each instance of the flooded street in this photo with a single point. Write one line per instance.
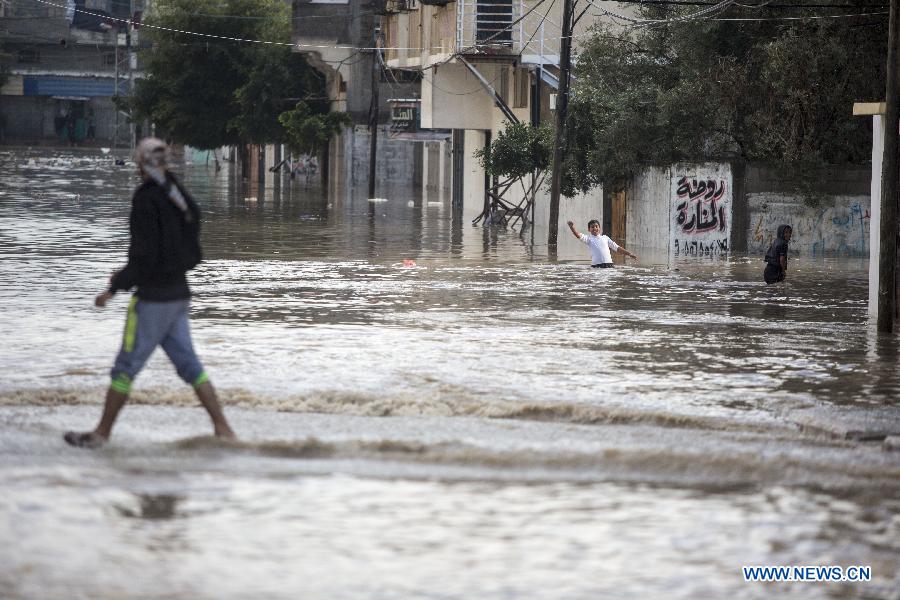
(483, 423)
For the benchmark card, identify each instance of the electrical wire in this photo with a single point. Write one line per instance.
(638, 22)
(767, 5)
(223, 37)
(536, 29)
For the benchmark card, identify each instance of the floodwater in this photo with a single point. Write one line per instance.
(485, 423)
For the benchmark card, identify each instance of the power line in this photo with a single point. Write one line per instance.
(701, 15)
(761, 5)
(222, 37)
(303, 18)
(638, 22)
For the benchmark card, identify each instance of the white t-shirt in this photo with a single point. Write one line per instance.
(600, 246)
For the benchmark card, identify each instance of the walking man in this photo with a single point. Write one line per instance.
(165, 228)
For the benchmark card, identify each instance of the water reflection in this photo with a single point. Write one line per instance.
(152, 506)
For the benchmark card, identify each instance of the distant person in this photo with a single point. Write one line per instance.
(776, 257)
(165, 227)
(600, 245)
(91, 125)
(70, 129)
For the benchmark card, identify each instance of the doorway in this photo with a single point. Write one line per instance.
(617, 213)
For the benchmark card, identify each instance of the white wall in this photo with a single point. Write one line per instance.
(686, 209)
(647, 210)
(453, 98)
(473, 174)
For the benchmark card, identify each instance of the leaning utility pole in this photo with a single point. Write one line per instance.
(373, 110)
(887, 262)
(562, 113)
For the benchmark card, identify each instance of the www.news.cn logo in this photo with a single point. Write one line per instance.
(810, 573)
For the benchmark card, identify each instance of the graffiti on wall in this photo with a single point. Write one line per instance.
(701, 213)
(842, 228)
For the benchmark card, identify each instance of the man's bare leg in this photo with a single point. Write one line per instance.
(100, 435)
(206, 393)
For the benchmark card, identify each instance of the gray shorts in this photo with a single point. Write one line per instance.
(151, 324)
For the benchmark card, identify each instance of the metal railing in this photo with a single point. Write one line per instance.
(494, 27)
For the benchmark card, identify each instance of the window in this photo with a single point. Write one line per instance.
(108, 59)
(521, 85)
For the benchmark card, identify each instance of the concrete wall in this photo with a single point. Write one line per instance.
(437, 179)
(839, 227)
(840, 224)
(712, 209)
(700, 210)
(473, 173)
(31, 119)
(647, 210)
(396, 161)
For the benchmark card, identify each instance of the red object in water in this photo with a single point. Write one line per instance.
(408, 262)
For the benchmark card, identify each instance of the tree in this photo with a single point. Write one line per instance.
(770, 91)
(521, 155)
(211, 92)
(307, 132)
(519, 150)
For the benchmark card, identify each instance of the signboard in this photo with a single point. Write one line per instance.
(405, 114)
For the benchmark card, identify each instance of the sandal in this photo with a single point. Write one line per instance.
(88, 439)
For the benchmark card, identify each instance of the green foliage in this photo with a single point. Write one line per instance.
(519, 150)
(777, 92)
(208, 92)
(307, 132)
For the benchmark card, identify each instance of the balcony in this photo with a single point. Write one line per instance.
(419, 33)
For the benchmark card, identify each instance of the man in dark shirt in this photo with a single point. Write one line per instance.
(776, 257)
(164, 226)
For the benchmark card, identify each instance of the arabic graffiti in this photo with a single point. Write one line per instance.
(836, 227)
(699, 207)
(713, 248)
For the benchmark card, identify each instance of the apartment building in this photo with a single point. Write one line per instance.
(484, 63)
(337, 38)
(66, 62)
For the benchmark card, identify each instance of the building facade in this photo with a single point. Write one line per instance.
(65, 66)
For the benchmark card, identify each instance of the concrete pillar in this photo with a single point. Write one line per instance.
(875, 224)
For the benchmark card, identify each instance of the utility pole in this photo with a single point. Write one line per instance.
(130, 55)
(116, 90)
(562, 113)
(890, 172)
(373, 109)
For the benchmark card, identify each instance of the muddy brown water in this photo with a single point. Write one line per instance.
(485, 423)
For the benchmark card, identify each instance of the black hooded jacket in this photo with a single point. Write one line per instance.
(778, 248)
(157, 258)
